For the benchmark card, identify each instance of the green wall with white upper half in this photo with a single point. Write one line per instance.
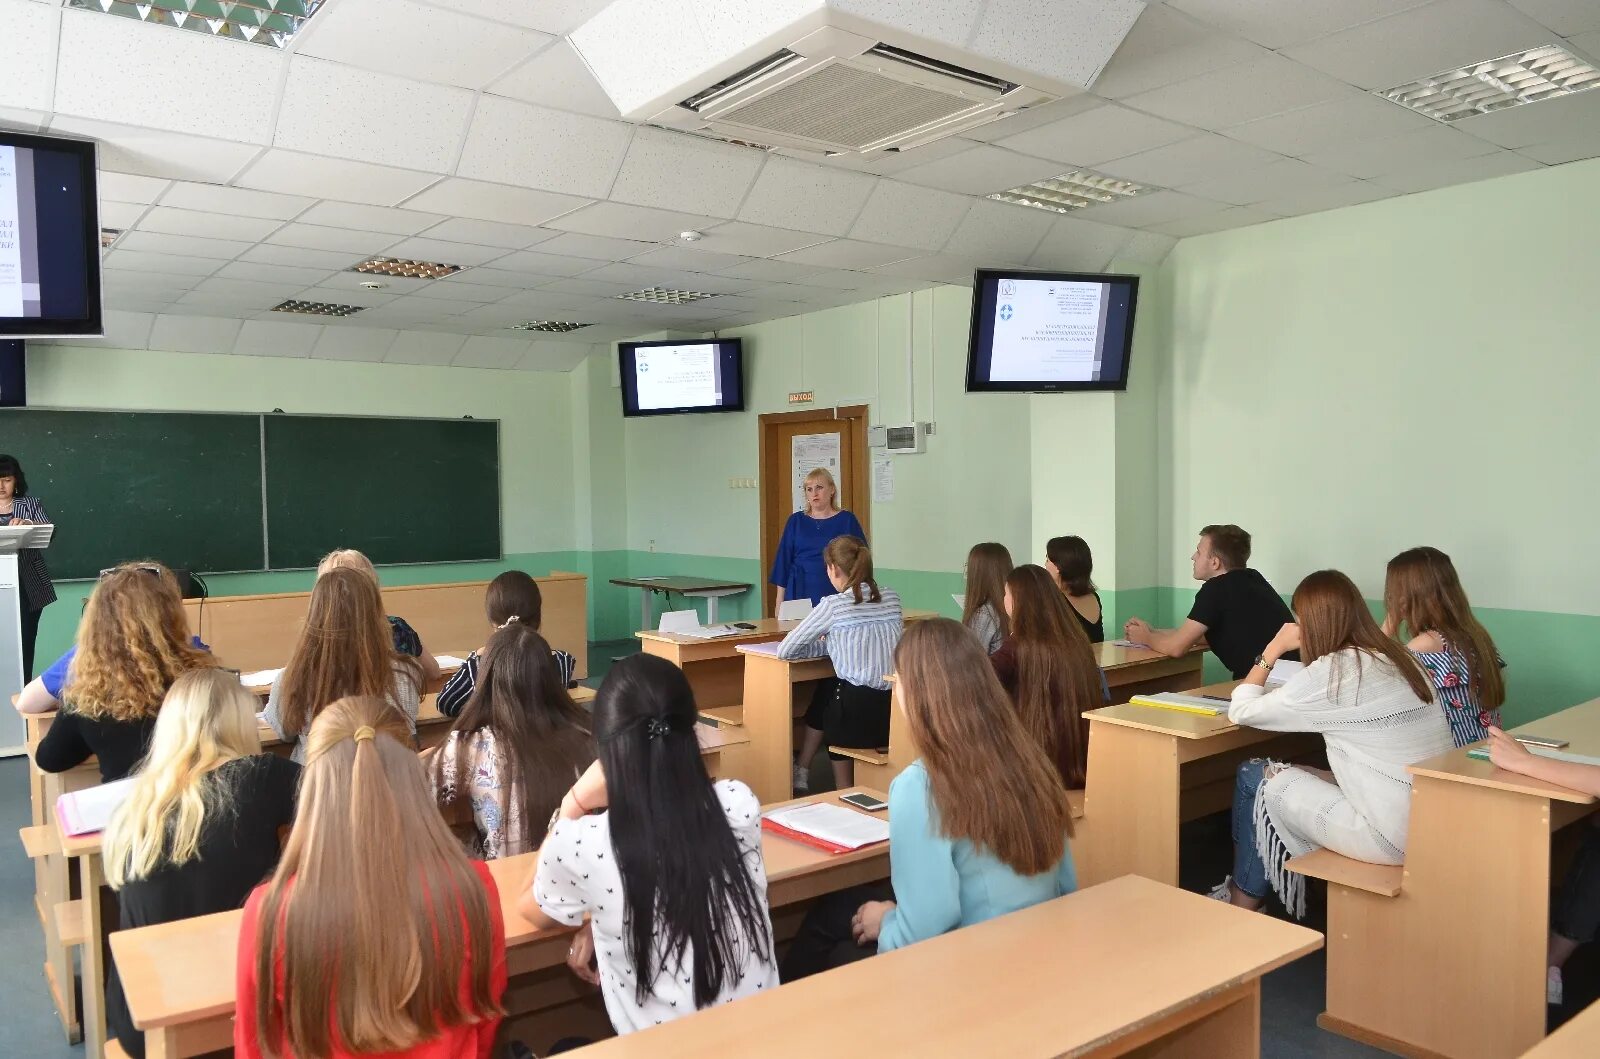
(1420, 370)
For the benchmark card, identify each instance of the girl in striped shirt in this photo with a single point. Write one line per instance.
(858, 629)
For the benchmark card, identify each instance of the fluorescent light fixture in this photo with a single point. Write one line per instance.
(554, 326)
(1071, 191)
(664, 296)
(1509, 81)
(395, 266)
(270, 22)
(317, 308)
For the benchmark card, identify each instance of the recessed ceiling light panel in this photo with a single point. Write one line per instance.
(317, 308)
(665, 296)
(395, 266)
(1509, 81)
(554, 326)
(1071, 191)
(270, 22)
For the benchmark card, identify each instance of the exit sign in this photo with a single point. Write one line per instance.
(802, 397)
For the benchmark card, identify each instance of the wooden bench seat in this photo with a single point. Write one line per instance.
(870, 757)
(113, 1050)
(1381, 879)
(723, 716)
(69, 922)
(37, 841)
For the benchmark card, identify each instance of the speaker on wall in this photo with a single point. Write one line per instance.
(13, 373)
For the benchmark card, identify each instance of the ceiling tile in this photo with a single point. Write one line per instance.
(1037, 36)
(1094, 136)
(559, 17)
(193, 334)
(1353, 116)
(557, 77)
(463, 254)
(1275, 24)
(1165, 46)
(934, 268)
(1255, 185)
(886, 162)
(1330, 198)
(1559, 152)
(773, 270)
(508, 281)
(243, 289)
(108, 66)
(1205, 224)
(22, 120)
(676, 171)
(127, 304)
(353, 343)
(338, 110)
(812, 197)
(1421, 41)
(290, 277)
(908, 215)
(637, 275)
(517, 143)
(1189, 160)
(424, 347)
(343, 296)
(121, 187)
(1149, 248)
(1431, 175)
(488, 233)
(121, 214)
(153, 283)
(27, 77)
(1533, 123)
(1000, 233)
(157, 153)
(494, 202)
(1239, 93)
(1390, 154)
(334, 178)
(1566, 17)
(300, 257)
(847, 253)
(622, 221)
(188, 245)
(1023, 120)
(1157, 208)
(347, 279)
(342, 240)
(174, 221)
(465, 293)
(240, 202)
(755, 240)
(480, 352)
(981, 169)
(585, 287)
(1075, 244)
(554, 356)
(538, 263)
(368, 218)
(600, 247)
(417, 41)
(269, 338)
(686, 259)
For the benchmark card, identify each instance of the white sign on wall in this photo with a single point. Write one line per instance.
(808, 452)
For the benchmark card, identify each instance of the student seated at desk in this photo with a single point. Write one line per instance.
(132, 644)
(344, 649)
(983, 608)
(511, 597)
(406, 640)
(1422, 592)
(978, 825)
(663, 863)
(857, 629)
(514, 750)
(1048, 668)
(1072, 565)
(200, 829)
(1576, 914)
(1236, 610)
(1371, 703)
(376, 933)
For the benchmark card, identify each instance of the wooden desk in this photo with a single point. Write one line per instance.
(775, 693)
(1173, 975)
(1578, 1039)
(1150, 770)
(707, 588)
(1134, 671)
(1457, 966)
(258, 632)
(179, 977)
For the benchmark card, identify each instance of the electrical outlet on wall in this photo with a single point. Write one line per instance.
(652, 545)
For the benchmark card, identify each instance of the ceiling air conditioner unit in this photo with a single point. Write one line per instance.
(839, 93)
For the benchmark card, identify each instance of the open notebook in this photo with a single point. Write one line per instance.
(827, 826)
(89, 810)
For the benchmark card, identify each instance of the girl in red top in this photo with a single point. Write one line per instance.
(381, 937)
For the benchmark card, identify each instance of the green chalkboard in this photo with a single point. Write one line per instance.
(401, 490)
(183, 488)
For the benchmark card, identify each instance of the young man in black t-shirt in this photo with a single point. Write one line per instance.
(1236, 610)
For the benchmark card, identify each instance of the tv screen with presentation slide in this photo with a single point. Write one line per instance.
(1043, 332)
(678, 375)
(49, 237)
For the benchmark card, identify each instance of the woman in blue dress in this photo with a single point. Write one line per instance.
(797, 569)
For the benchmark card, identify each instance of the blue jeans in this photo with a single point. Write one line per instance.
(1249, 867)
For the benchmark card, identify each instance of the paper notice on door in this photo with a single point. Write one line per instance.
(809, 452)
(882, 477)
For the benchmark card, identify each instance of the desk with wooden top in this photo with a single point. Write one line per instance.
(1457, 965)
(179, 977)
(1134, 671)
(1579, 1038)
(709, 589)
(1174, 974)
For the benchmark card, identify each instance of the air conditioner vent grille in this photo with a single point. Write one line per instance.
(846, 106)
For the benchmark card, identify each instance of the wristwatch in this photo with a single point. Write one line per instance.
(1261, 660)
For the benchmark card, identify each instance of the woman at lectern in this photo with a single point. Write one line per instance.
(17, 508)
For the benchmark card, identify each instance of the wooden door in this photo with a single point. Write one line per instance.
(779, 431)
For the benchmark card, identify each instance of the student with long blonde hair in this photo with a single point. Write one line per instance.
(1048, 668)
(983, 608)
(344, 649)
(1423, 594)
(132, 644)
(858, 628)
(799, 570)
(406, 640)
(376, 934)
(200, 827)
(978, 824)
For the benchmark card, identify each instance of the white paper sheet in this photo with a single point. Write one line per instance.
(262, 678)
(882, 477)
(808, 452)
(89, 810)
(833, 823)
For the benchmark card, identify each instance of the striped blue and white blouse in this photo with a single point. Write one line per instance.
(859, 638)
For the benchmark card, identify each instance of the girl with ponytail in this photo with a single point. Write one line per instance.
(858, 629)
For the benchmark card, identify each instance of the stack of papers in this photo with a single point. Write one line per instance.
(827, 826)
(768, 648)
(89, 810)
(1170, 700)
(449, 661)
(711, 632)
(1130, 643)
(262, 678)
(1282, 671)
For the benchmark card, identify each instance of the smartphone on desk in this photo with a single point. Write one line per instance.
(1539, 740)
(864, 801)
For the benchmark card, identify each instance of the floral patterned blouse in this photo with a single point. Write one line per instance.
(1450, 672)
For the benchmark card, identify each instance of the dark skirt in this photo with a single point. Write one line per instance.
(850, 715)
